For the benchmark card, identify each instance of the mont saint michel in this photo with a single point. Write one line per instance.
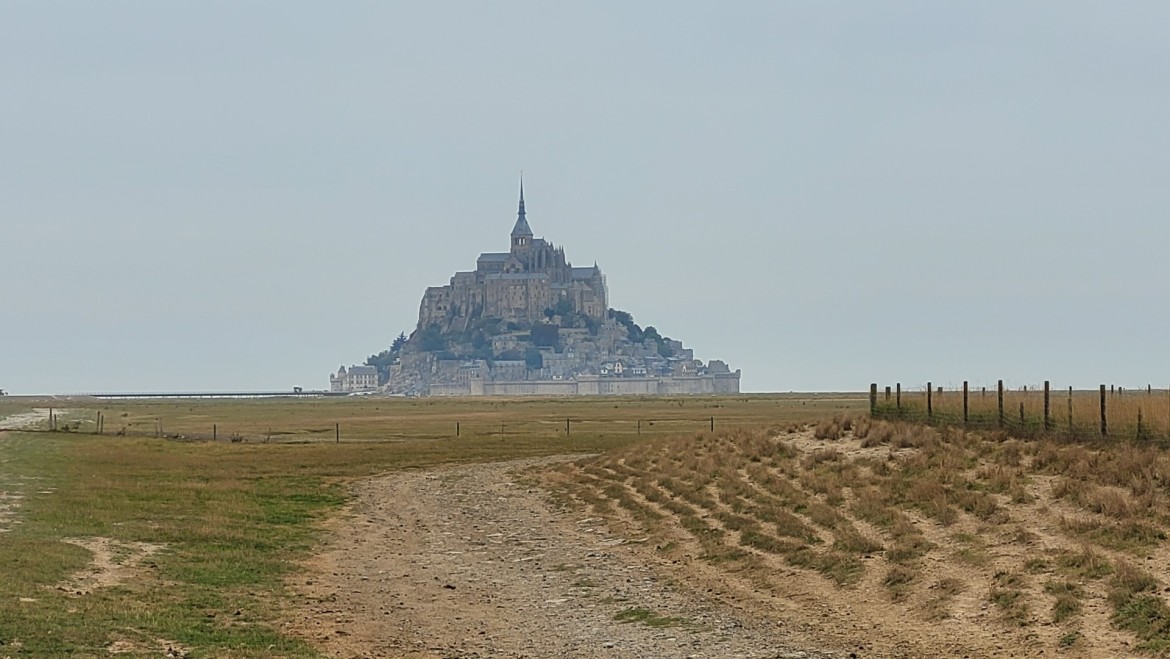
(526, 322)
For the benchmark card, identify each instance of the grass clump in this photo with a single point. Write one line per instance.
(1126, 535)
(909, 547)
(1137, 607)
(1068, 599)
(828, 430)
(1007, 594)
(1088, 563)
(898, 580)
(943, 592)
(764, 542)
(842, 569)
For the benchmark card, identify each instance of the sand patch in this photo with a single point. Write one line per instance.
(159, 647)
(113, 563)
(9, 502)
(31, 420)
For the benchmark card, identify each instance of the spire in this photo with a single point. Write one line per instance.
(521, 228)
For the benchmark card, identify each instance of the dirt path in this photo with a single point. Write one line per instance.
(465, 562)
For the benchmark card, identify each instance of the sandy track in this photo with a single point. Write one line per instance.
(465, 562)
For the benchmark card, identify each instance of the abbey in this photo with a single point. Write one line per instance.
(517, 285)
(527, 323)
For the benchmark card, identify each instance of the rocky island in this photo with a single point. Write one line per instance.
(526, 322)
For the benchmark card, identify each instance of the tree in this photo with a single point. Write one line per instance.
(399, 341)
(564, 307)
(625, 319)
(594, 325)
(479, 340)
(385, 359)
(533, 359)
(622, 317)
(545, 335)
(431, 339)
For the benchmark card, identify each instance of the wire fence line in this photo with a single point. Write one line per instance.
(1109, 412)
(382, 429)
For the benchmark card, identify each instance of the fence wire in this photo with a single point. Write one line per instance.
(1141, 414)
(384, 430)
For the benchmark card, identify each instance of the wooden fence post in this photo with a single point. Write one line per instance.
(1104, 426)
(1071, 432)
(639, 426)
(568, 430)
(898, 400)
(872, 398)
(999, 387)
(337, 432)
(456, 428)
(929, 401)
(214, 432)
(887, 393)
(712, 424)
(1047, 406)
(965, 415)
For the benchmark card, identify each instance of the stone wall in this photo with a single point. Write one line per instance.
(594, 386)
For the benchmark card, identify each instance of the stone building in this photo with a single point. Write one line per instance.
(526, 322)
(357, 378)
(517, 285)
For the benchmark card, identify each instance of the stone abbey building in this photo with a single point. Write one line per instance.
(527, 323)
(517, 285)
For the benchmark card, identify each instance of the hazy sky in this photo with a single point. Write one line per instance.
(227, 195)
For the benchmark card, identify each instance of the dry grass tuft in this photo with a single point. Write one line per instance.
(898, 581)
(943, 592)
(1067, 602)
(1088, 563)
(876, 433)
(1007, 595)
(830, 430)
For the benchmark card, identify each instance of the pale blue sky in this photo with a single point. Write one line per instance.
(246, 195)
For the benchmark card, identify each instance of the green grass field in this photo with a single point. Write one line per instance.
(234, 519)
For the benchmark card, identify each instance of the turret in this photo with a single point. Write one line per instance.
(521, 233)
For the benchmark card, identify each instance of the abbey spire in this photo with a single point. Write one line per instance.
(521, 233)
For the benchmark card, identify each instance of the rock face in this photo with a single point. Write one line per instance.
(526, 322)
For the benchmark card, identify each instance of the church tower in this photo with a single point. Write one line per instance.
(521, 233)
